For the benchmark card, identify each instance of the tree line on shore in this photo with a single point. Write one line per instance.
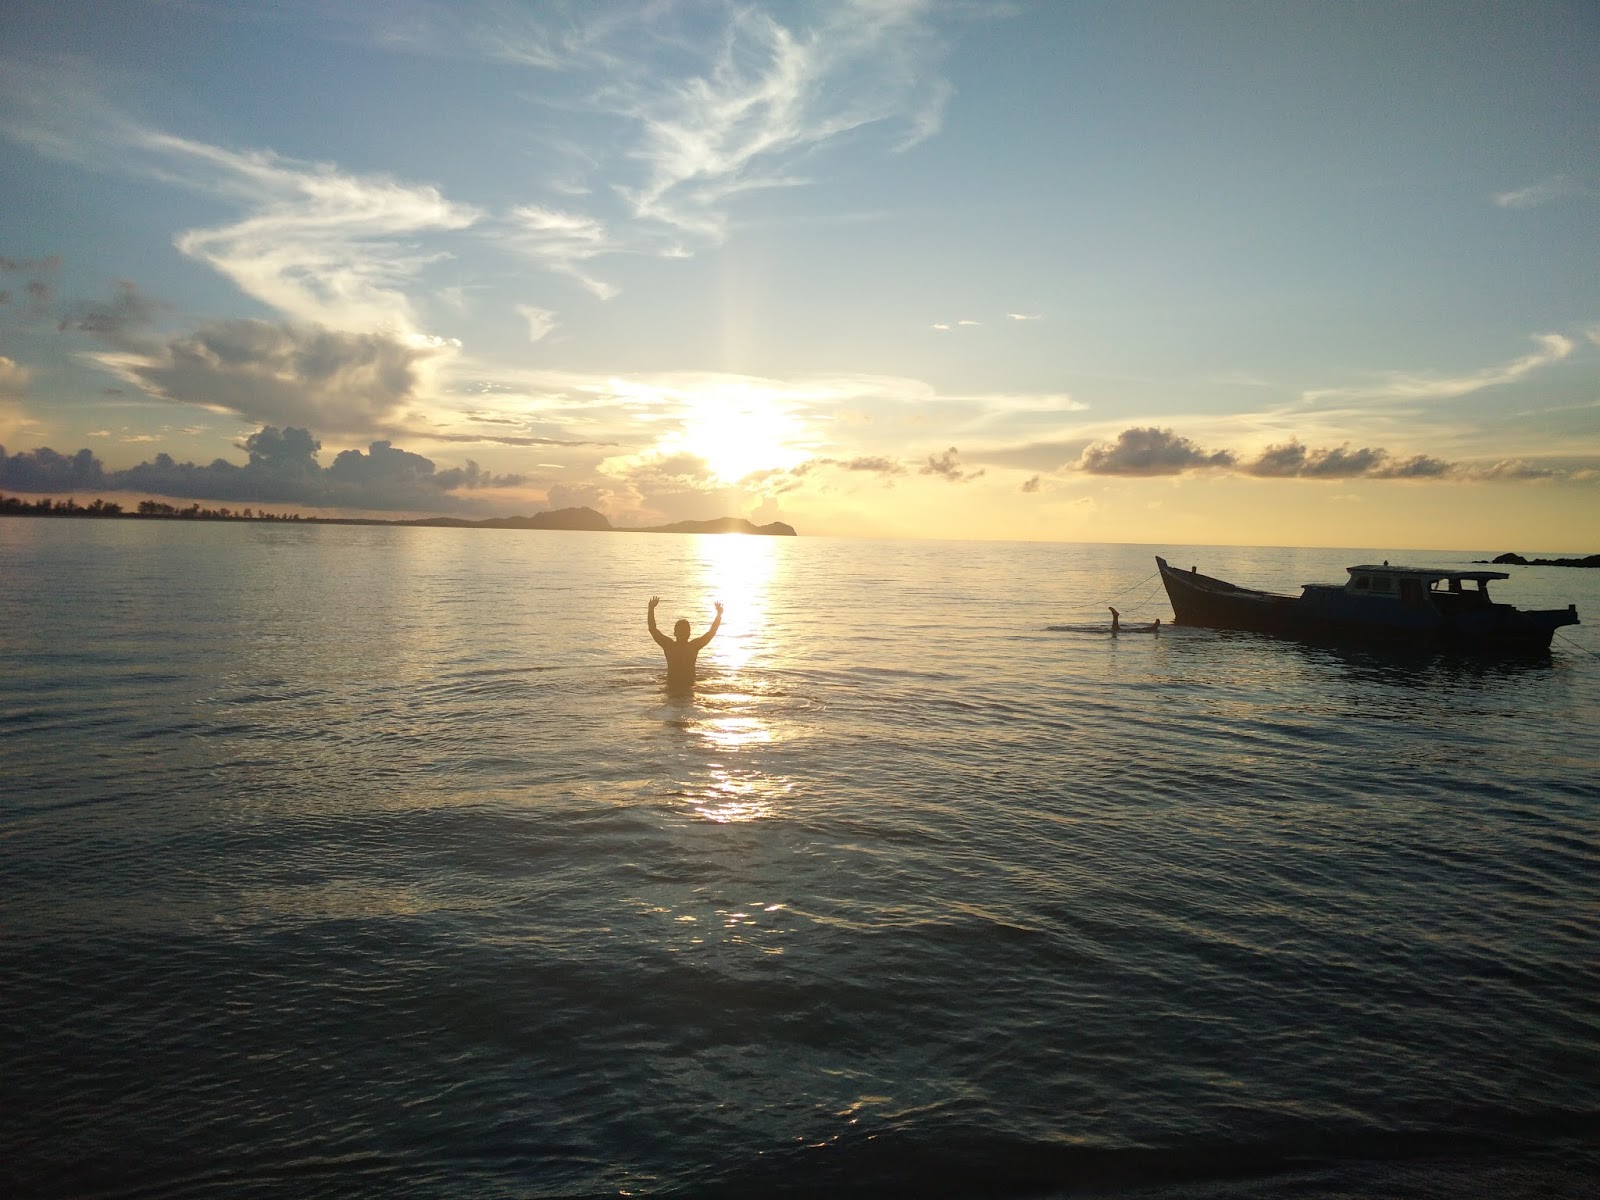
(15, 506)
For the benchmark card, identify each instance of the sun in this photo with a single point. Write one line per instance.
(738, 431)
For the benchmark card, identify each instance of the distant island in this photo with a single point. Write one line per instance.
(1516, 560)
(585, 519)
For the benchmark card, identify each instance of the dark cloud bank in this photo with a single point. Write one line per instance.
(1147, 450)
(283, 469)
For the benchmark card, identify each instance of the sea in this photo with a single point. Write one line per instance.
(369, 861)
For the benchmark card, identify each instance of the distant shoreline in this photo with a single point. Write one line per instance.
(1516, 560)
(585, 520)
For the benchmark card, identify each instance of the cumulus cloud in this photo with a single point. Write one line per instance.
(644, 489)
(1030, 485)
(877, 464)
(282, 468)
(787, 479)
(1291, 459)
(1149, 451)
(581, 495)
(277, 373)
(947, 468)
(1418, 466)
(1516, 469)
(45, 470)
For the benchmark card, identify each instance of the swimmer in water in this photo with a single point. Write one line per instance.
(681, 654)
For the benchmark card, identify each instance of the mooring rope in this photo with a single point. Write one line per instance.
(1576, 645)
(1135, 610)
(1130, 588)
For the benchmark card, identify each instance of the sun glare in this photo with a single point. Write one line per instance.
(738, 431)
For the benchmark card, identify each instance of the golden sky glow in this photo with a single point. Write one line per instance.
(979, 270)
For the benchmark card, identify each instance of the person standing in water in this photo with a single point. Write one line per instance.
(681, 654)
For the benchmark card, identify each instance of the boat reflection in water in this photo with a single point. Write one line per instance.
(1422, 607)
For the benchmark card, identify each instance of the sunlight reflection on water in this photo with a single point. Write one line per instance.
(739, 572)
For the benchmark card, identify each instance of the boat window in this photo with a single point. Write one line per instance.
(1362, 583)
(1381, 583)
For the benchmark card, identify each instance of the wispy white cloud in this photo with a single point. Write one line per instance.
(541, 321)
(315, 242)
(562, 242)
(1535, 194)
(706, 103)
(1399, 385)
(766, 94)
(318, 244)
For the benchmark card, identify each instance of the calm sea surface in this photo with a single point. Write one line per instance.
(349, 861)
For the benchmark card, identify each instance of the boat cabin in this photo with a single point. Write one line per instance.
(1445, 589)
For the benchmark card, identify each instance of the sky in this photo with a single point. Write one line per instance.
(1272, 273)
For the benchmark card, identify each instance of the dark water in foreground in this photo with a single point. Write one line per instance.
(374, 861)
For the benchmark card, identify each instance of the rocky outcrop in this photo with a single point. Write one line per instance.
(1516, 560)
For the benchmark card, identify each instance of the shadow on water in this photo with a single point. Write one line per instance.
(1400, 666)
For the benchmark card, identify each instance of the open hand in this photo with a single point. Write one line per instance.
(718, 605)
(654, 600)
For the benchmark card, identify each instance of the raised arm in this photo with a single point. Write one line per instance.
(660, 637)
(710, 633)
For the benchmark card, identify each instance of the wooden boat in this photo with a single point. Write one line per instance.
(1420, 606)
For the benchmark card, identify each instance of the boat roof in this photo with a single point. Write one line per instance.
(1428, 574)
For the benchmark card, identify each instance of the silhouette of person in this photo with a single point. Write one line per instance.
(681, 654)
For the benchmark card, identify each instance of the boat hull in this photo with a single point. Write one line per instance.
(1331, 614)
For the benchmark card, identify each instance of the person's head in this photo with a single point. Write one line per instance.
(681, 630)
